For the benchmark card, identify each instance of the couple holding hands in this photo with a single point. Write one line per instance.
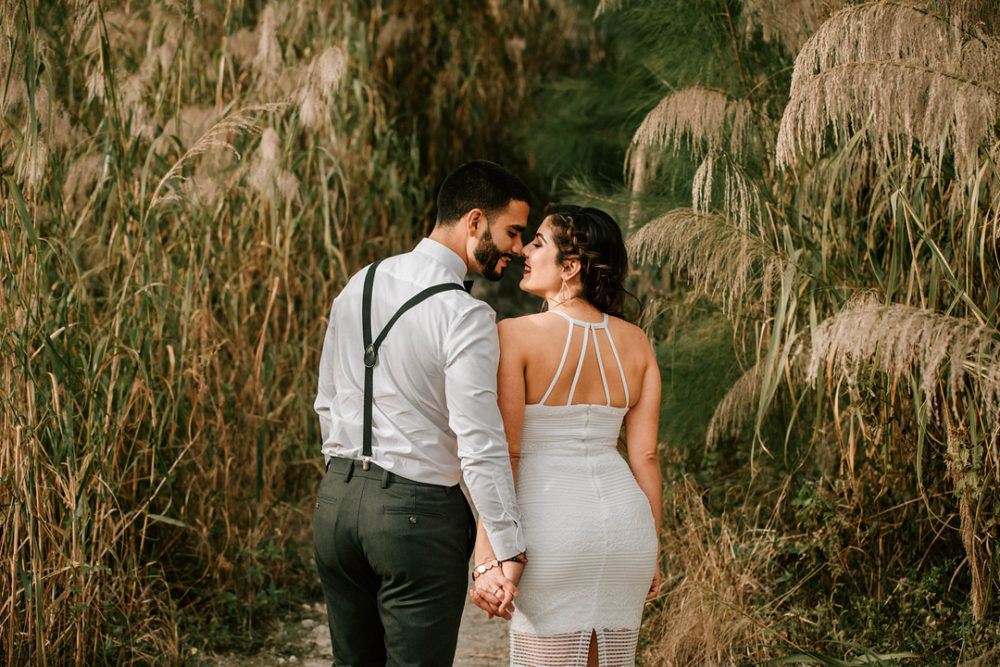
(419, 388)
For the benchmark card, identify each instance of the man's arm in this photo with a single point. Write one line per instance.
(326, 389)
(510, 394)
(473, 354)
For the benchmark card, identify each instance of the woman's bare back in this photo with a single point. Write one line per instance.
(546, 341)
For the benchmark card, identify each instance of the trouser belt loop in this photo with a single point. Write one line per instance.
(385, 479)
(350, 471)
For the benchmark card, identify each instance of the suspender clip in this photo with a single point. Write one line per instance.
(371, 356)
(366, 463)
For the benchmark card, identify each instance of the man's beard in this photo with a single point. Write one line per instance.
(488, 255)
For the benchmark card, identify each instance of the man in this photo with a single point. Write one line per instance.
(392, 530)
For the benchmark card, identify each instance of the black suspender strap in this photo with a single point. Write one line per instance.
(371, 347)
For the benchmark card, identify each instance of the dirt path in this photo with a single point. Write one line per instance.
(481, 643)
(306, 643)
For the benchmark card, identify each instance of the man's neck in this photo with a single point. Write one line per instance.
(453, 239)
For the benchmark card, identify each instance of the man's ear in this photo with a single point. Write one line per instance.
(570, 269)
(473, 219)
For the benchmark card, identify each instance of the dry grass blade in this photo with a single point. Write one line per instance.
(718, 257)
(709, 616)
(961, 468)
(703, 120)
(244, 120)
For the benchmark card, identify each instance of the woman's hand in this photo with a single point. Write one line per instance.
(494, 593)
(654, 588)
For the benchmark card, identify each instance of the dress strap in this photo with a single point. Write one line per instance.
(562, 362)
(600, 366)
(621, 371)
(589, 332)
(583, 354)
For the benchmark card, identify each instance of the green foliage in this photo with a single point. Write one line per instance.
(697, 365)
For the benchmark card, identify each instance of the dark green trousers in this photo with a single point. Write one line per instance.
(393, 558)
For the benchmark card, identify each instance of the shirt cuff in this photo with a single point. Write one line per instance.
(507, 542)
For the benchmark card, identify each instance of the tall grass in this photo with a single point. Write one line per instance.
(184, 189)
(844, 195)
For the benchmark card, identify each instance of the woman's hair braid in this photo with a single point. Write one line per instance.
(592, 237)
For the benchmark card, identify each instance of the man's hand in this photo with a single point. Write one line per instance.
(496, 589)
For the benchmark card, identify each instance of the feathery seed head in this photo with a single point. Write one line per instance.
(720, 259)
(266, 176)
(731, 413)
(789, 22)
(901, 341)
(879, 31)
(741, 199)
(706, 120)
(95, 84)
(607, 6)
(311, 109)
(909, 78)
(32, 162)
(81, 177)
(215, 138)
(265, 160)
(330, 68)
(392, 33)
(242, 46)
(267, 61)
(84, 17)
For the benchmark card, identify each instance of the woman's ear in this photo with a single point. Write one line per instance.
(570, 269)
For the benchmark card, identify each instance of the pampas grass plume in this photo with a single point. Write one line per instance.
(913, 80)
(703, 120)
(719, 258)
(902, 340)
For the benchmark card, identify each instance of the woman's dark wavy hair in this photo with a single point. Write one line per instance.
(594, 238)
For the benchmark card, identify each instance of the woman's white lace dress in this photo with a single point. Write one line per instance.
(591, 542)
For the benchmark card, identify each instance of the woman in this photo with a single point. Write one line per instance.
(568, 377)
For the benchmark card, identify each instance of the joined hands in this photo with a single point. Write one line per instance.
(494, 590)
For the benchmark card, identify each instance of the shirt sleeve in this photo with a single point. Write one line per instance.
(473, 354)
(327, 389)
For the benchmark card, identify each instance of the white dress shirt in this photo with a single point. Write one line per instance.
(434, 416)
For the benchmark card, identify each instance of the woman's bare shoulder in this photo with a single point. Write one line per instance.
(524, 328)
(532, 321)
(633, 336)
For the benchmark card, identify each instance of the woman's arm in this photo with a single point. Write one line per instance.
(641, 435)
(510, 397)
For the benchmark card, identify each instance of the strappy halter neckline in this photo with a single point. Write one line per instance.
(590, 332)
(583, 323)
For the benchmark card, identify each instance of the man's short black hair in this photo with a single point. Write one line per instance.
(478, 184)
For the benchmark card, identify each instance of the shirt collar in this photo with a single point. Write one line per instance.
(442, 255)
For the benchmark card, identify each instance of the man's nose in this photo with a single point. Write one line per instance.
(518, 247)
